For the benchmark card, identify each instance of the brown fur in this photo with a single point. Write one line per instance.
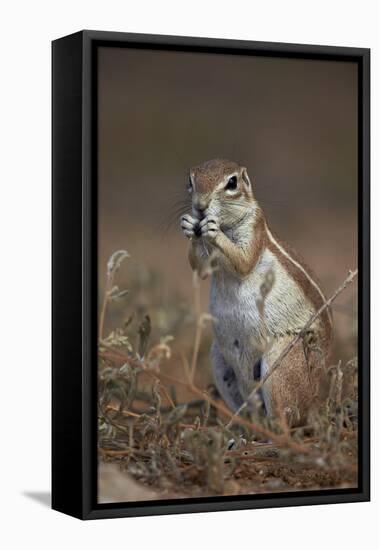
(243, 260)
(210, 173)
(294, 386)
(302, 281)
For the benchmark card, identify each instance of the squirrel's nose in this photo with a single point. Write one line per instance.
(201, 206)
(201, 210)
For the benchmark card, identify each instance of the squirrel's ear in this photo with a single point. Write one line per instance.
(246, 178)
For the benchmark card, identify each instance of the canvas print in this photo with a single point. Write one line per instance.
(227, 275)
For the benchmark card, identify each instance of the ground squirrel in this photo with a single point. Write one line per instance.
(261, 295)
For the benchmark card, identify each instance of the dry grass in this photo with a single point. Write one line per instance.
(165, 428)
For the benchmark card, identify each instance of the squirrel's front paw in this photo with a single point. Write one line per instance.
(190, 226)
(210, 228)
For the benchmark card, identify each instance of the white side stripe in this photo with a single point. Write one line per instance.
(285, 253)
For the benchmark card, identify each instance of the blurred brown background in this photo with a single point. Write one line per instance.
(293, 123)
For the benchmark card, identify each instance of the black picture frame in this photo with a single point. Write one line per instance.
(74, 333)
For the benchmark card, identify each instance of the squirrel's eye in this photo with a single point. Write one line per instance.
(232, 183)
(189, 186)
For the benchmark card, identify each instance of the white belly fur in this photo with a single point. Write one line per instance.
(240, 329)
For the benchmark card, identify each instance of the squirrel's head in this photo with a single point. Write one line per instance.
(223, 188)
